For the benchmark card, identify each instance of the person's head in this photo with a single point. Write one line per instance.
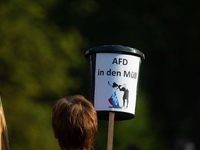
(74, 122)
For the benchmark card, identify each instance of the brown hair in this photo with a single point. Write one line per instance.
(74, 122)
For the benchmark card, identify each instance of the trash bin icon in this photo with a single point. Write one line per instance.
(113, 80)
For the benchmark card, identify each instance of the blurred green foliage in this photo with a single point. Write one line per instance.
(39, 64)
(42, 47)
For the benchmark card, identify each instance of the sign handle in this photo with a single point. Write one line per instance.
(110, 130)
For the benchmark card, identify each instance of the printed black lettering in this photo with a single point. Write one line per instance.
(108, 72)
(134, 75)
(100, 72)
(125, 61)
(127, 74)
(114, 61)
(130, 74)
(120, 60)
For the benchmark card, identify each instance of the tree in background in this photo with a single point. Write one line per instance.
(39, 63)
(42, 46)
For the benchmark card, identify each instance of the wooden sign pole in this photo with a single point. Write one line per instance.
(110, 130)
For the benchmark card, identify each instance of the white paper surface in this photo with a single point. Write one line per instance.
(116, 78)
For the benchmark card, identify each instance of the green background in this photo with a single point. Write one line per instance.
(42, 59)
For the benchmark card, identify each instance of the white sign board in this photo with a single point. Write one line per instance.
(116, 78)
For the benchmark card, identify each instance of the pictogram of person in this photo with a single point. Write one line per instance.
(113, 100)
(125, 95)
(123, 89)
